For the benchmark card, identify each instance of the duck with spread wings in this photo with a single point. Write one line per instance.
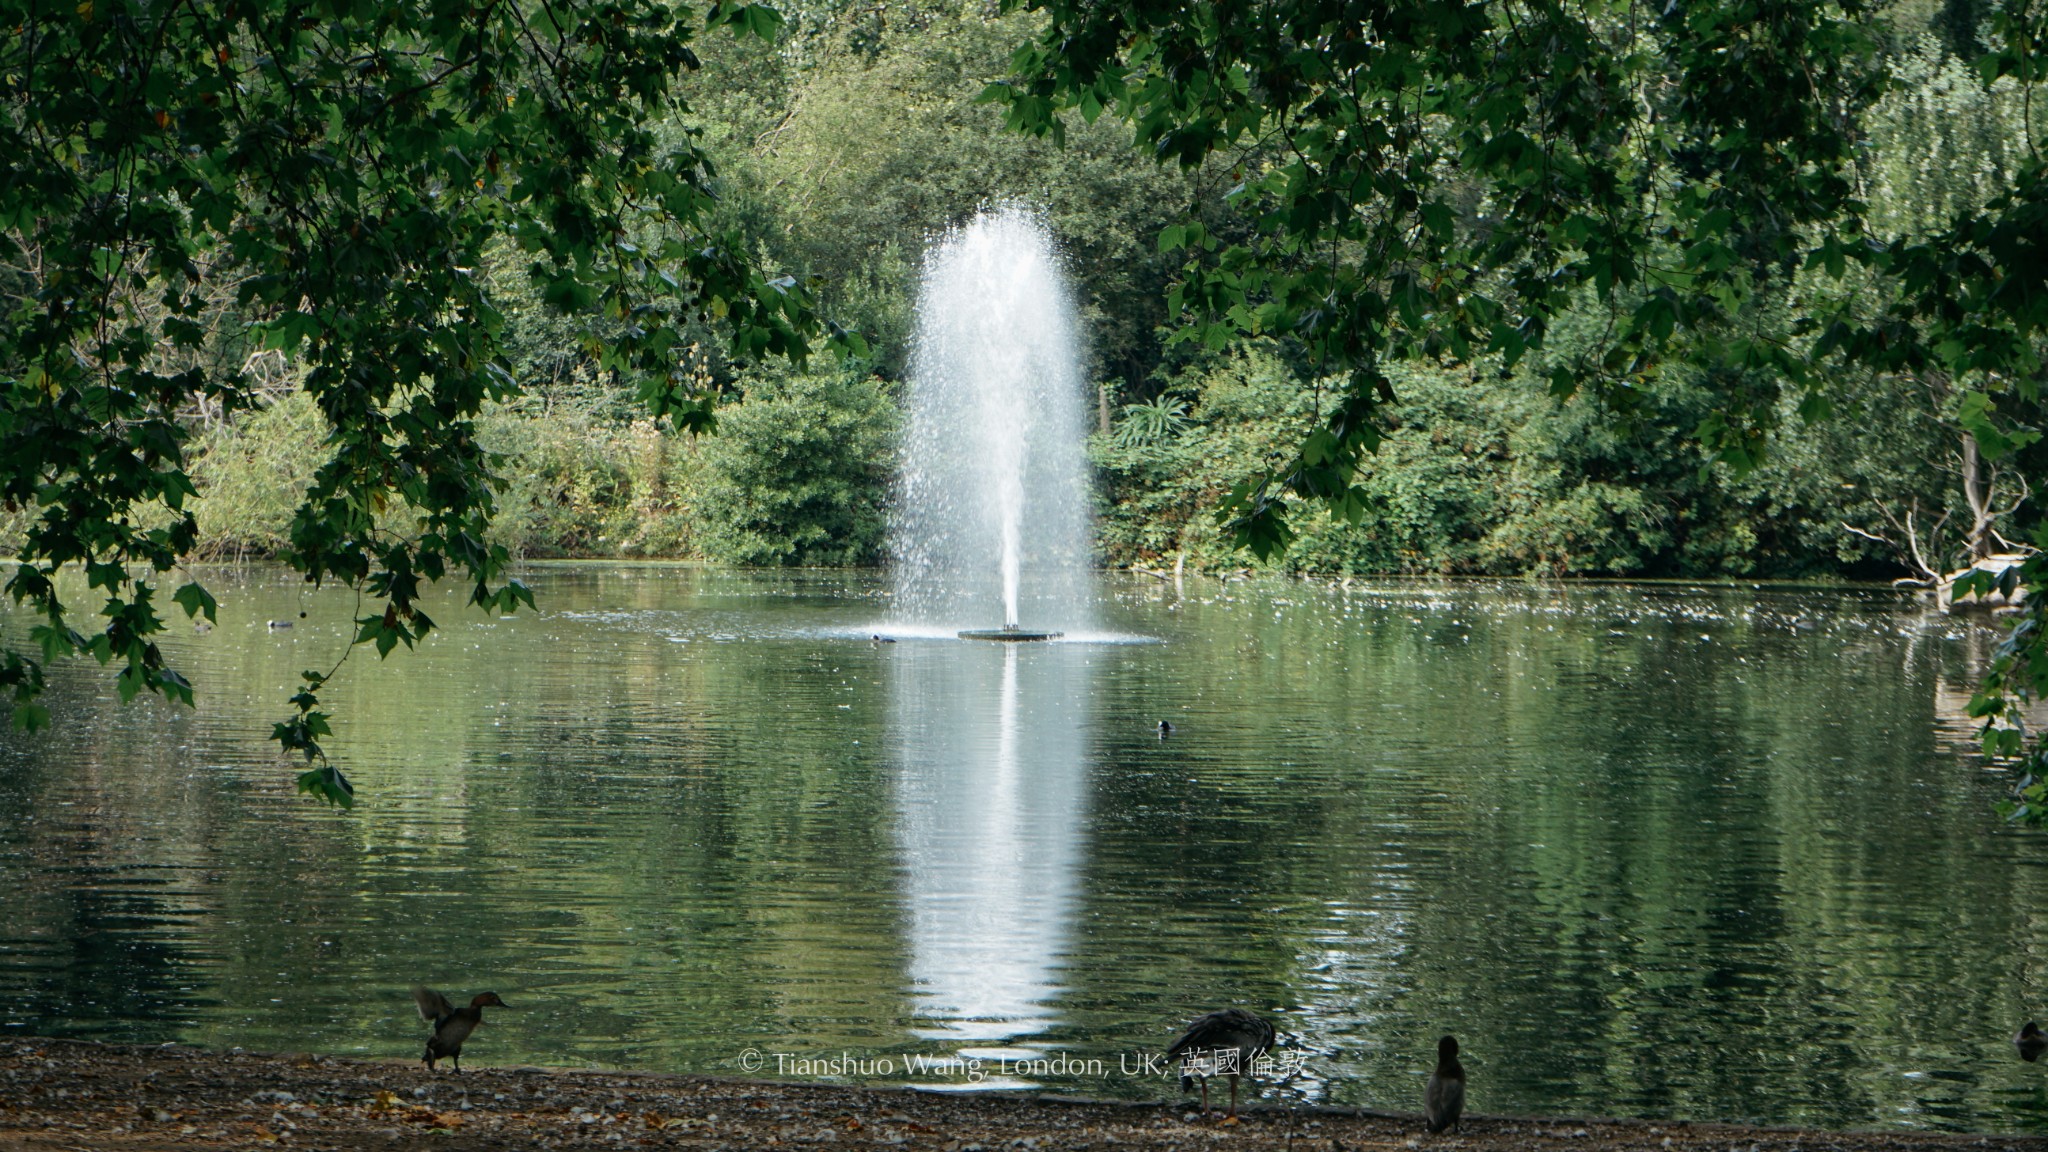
(452, 1025)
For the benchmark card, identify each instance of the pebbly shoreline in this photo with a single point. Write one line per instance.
(79, 1095)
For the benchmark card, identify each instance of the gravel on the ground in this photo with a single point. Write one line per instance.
(65, 1095)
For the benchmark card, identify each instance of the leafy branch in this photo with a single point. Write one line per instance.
(327, 179)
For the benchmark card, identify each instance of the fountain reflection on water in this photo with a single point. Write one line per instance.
(991, 797)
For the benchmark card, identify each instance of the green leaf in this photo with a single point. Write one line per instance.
(195, 600)
(328, 784)
(762, 21)
(1977, 415)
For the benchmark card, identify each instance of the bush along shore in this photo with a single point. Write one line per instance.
(67, 1094)
(1479, 476)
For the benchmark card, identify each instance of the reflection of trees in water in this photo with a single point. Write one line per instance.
(1570, 826)
(1968, 645)
(102, 869)
(1559, 821)
(91, 940)
(631, 828)
(696, 829)
(1973, 641)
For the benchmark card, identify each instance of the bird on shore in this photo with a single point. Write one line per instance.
(1165, 729)
(2031, 1041)
(452, 1025)
(1220, 1044)
(1444, 1099)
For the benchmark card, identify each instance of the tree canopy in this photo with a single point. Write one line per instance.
(185, 185)
(1447, 178)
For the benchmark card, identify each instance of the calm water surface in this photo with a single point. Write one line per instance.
(1655, 851)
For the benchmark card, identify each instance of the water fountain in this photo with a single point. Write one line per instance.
(992, 515)
(993, 503)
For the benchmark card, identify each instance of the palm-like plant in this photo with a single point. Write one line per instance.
(1151, 422)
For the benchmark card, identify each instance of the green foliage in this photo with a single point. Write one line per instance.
(1449, 178)
(799, 472)
(1483, 472)
(1430, 496)
(324, 183)
(1963, 306)
(1151, 422)
(252, 469)
(1941, 142)
(579, 484)
(328, 784)
(874, 142)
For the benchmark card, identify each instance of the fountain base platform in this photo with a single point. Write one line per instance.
(1009, 633)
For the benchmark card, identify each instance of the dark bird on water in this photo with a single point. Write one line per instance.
(1444, 1099)
(2031, 1041)
(881, 639)
(1220, 1044)
(1165, 729)
(452, 1025)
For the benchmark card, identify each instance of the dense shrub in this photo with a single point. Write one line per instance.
(1485, 473)
(251, 473)
(799, 473)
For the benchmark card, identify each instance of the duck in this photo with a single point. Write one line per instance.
(1221, 1044)
(452, 1025)
(878, 638)
(279, 625)
(2031, 1041)
(1165, 729)
(202, 627)
(1443, 1101)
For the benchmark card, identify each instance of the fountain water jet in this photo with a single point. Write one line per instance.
(993, 503)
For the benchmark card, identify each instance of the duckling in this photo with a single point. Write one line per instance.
(202, 627)
(452, 1025)
(1165, 729)
(1227, 1042)
(1443, 1101)
(2031, 1041)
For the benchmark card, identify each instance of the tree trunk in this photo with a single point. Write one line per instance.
(1979, 498)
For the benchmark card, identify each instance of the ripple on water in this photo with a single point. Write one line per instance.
(678, 814)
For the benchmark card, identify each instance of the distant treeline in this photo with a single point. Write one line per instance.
(848, 143)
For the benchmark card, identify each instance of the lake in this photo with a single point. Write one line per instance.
(1653, 850)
